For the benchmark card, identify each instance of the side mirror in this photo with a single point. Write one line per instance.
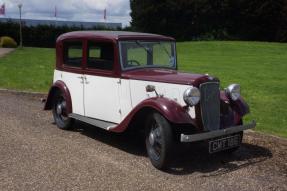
(150, 88)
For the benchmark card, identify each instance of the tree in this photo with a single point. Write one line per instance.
(219, 19)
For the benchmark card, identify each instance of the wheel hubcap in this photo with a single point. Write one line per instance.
(151, 138)
(155, 141)
(59, 109)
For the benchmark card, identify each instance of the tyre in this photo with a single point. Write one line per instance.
(59, 111)
(159, 140)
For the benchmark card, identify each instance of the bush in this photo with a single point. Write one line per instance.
(7, 42)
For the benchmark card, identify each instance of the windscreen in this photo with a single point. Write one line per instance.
(142, 54)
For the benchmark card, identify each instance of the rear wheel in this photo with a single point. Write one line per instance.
(159, 140)
(59, 111)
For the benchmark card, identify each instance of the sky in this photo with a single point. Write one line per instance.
(72, 10)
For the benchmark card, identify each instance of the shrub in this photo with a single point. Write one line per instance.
(7, 42)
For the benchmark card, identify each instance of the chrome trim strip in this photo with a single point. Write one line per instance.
(95, 122)
(217, 133)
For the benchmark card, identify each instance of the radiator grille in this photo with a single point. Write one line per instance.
(210, 105)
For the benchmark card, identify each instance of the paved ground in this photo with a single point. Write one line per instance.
(35, 155)
(4, 51)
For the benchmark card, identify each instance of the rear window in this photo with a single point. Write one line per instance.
(73, 54)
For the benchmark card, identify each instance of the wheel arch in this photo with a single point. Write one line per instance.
(141, 115)
(59, 86)
(169, 109)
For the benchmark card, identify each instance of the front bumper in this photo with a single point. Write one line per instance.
(217, 133)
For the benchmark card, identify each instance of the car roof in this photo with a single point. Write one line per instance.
(113, 35)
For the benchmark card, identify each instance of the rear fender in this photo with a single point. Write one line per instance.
(171, 110)
(59, 86)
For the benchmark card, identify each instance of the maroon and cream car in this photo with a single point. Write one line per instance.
(123, 80)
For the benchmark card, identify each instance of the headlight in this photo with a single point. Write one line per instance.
(191, 96)
(233, 91)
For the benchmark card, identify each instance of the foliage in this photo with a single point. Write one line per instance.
(7, 42)
(258, 67)
(263, 20)
(38, 36)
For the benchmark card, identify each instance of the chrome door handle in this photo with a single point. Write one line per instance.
(85, 78)
(82, 79)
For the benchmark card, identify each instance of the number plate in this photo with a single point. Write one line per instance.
(224, 143)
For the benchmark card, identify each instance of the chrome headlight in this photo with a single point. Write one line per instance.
(233, 91)
(191, 96)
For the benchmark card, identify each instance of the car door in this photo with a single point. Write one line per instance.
(72, 74)
(101, 89)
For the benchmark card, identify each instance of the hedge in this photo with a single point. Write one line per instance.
(38, 36)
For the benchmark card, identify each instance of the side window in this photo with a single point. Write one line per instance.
(73, 54)
(100, 55)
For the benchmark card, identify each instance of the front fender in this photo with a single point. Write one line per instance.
(240, 105)
(58, 86)
(170, 109)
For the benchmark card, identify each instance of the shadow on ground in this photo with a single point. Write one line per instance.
(188, 158)
(195, 158)
(129, 142)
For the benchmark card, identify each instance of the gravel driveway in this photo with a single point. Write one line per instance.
(35, 155)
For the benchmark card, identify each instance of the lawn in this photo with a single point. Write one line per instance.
(29, 69)
(260, 69)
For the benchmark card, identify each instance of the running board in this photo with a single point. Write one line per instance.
(95, 122)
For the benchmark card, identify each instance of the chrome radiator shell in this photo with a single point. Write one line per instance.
(210, 105)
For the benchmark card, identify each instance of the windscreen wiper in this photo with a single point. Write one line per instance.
(166, 51)
(145, 48)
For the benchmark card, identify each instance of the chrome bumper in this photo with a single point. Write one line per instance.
(217, 133)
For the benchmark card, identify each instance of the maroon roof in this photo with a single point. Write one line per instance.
(113, 35)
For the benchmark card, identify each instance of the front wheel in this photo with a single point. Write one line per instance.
(159, 140)
(60, 112)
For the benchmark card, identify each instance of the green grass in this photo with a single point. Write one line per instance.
(29, 69)
(260, 69)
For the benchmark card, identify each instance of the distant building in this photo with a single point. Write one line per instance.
(85, 25)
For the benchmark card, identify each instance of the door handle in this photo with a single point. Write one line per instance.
(85, 78)
(82, 79)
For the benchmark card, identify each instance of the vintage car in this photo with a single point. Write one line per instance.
(122, 80)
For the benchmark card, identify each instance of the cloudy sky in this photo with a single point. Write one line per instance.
(76, 10)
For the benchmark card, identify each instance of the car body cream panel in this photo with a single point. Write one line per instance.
(75, 85)
(101, 97)
(171, 91)
(125, 98)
